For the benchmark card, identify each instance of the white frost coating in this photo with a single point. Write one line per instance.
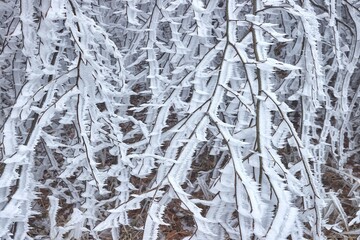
(154, 219)
(132, 12)
(54, 207)
(192, 118)
(198, 5)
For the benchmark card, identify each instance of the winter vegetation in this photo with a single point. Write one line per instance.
(183, 119)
